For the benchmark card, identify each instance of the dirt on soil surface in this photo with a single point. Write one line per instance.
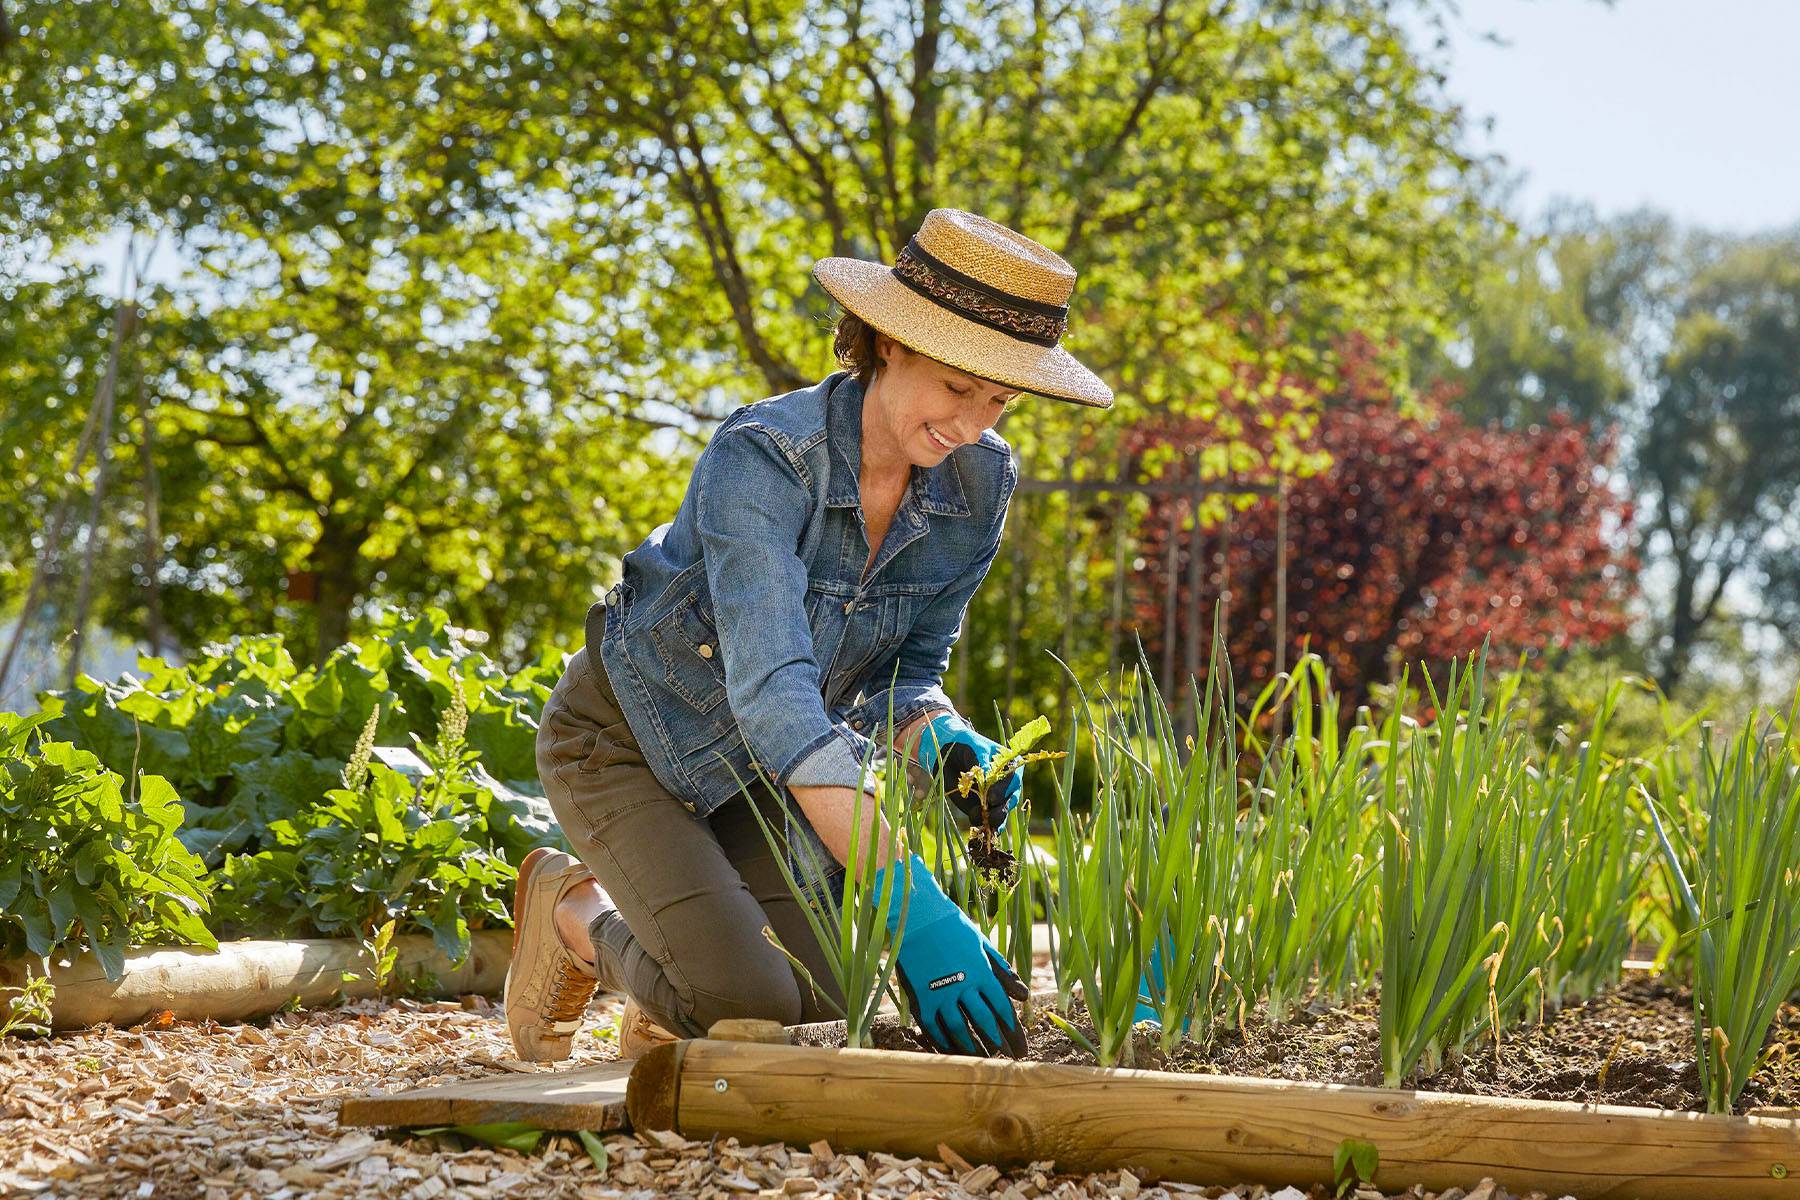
(1631, 1045)
(207, 1111)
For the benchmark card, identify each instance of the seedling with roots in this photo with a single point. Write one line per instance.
(994, 865)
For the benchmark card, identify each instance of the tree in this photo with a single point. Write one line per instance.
(1563, 320)
(1424, 537)
(1719, 459)
(1683, 342)
(383, 366)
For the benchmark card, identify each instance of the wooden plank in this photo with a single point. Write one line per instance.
(587, 1098)
(249, 978)
(1204, 1129)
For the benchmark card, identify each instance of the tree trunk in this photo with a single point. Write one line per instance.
(336, 557)
(1684, 627)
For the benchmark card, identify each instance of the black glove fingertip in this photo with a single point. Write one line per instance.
(1009, 978)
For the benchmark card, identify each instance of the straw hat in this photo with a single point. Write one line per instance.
(972, 293)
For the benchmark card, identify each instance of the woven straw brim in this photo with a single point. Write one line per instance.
(871, 292)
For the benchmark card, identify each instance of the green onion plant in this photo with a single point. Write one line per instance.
(1740, 896)
(850, 924)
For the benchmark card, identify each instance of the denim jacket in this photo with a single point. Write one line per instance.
(744, 636)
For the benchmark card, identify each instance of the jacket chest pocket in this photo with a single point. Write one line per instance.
(878, 625)
(688, 645)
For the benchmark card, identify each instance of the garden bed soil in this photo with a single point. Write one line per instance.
(1644, 1027)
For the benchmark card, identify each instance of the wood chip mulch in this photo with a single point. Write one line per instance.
(227, 1112)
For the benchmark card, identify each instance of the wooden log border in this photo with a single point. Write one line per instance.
(1203, 1129)
(249, 978)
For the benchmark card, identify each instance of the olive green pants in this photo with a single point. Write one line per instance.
(688, 896)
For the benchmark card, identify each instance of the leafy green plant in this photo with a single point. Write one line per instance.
(1317, 849)
(1443, 793)
(1000, 889)
(248, 738)
(1129, 870)
(88, 861)
(994, 864)
(28, 1009)
(521, 1137)
(383, 955)
(1588, 898)
(1737, 878)
(378, 850)
(1354, 1162)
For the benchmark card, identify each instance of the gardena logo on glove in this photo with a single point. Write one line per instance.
(947, 980)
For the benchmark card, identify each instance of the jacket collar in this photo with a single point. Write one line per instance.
(937, 490)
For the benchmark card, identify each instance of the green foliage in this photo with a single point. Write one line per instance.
(851, 925)
(87, 862)
(596, 1149)
(380, 850)
(28, 1009)
(250, 739)
(1354, 1162)
(521, 1137)
(1481, 876)
(461, 248)
(1684, 341)
(305, 835)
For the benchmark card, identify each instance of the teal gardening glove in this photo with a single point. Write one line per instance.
(960, 989)
(948, 742)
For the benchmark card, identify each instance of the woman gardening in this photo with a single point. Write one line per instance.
(811, 584)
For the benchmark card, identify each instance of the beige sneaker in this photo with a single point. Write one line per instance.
(547, 986)
(638, 1034)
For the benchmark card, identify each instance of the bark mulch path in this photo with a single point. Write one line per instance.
(224, 1112)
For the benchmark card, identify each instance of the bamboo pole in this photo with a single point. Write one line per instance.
(1185, 715)
(249, 978)
(1170, 591)
(153, 548)
(1281, 551)
(1074, 586)
(124, 314)
(1202, 1129)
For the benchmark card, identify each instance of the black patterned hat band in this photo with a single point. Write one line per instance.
(1028, 320)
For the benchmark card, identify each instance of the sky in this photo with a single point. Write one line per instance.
(1689, 106)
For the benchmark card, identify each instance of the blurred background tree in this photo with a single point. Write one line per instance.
(1425, 536)
(1683, 343)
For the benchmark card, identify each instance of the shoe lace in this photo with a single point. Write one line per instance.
(570, 992)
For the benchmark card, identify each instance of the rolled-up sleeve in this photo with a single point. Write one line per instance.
(750, 537)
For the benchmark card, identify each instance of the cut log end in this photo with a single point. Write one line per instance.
(652, 1097)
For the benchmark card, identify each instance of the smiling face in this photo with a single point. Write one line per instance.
(917, 410)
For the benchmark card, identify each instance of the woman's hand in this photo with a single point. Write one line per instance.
(949, 742)
(959, 988)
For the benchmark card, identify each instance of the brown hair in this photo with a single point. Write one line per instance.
(854, 345)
